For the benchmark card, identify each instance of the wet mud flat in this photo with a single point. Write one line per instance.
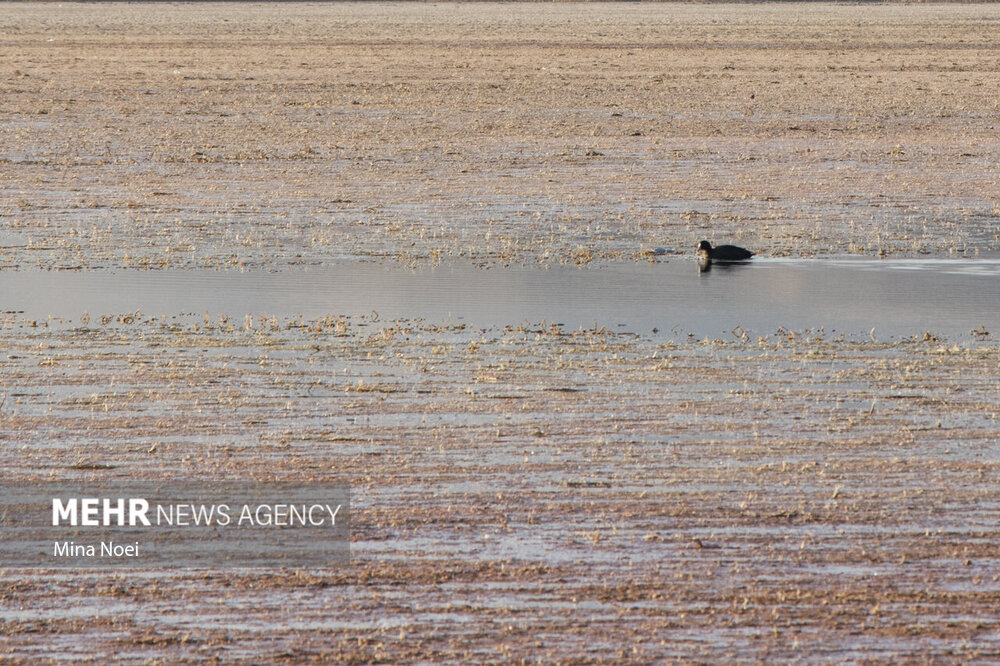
(142, 135)
(524, 490)
(527, 491)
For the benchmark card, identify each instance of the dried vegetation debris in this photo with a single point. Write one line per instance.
(781, 496)
(146, 137)
(528, 492)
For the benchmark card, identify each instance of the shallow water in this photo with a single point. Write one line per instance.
(896, 298)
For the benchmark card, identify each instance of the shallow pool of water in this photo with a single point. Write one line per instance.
(948, 298)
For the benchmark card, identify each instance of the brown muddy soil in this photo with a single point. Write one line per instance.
(521, 493)
(152, 135)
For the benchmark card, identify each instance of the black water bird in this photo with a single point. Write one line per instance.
(721, 254)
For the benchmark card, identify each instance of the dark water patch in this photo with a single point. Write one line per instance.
(953, 299)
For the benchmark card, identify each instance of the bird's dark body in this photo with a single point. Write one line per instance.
(723, 252)
(729, 253)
